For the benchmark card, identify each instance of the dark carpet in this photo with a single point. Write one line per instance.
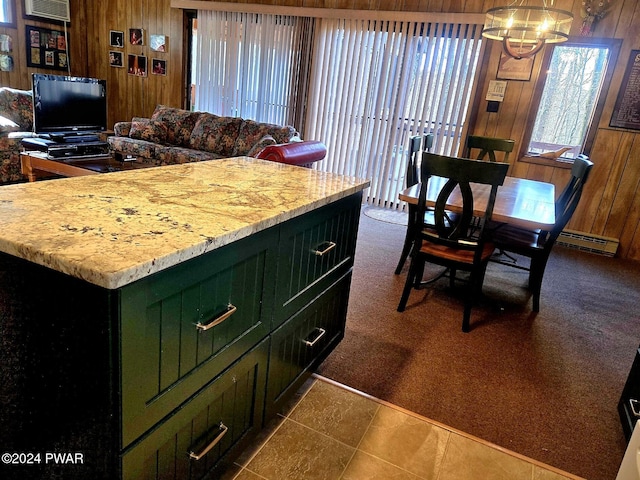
(545, 386)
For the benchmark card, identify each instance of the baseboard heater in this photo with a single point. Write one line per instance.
(589, 243)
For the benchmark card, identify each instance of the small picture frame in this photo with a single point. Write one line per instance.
(137, 65)
(158, 43)
(115, 58)
(158, 66)
(116, 39)
(136, 36)
(510, 68)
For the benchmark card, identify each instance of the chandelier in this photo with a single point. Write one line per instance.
(524, 29)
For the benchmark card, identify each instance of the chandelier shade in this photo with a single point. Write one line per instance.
(525, 29)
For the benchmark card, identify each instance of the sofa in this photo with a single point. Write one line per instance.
(16, 123)
(173, 135)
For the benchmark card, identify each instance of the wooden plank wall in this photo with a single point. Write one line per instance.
(610, 206)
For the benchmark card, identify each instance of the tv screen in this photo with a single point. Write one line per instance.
(68, 104)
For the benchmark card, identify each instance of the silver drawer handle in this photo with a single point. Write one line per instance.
(230, 310)
(320, 253)
(635, 404)
(321, 332)
(223, 430)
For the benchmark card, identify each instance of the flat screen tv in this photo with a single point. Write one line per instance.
(64, 104)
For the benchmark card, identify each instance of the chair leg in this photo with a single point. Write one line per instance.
(476, 280)
(408, 239)
(414, 269)
(535, 281)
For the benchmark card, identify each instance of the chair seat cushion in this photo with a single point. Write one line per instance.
(458, 255)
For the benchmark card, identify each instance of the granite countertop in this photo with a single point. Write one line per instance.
(115, 228)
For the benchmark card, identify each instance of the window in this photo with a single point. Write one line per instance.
(7, 10)
(568, 104)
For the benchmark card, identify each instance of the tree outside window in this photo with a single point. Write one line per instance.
(568, 106)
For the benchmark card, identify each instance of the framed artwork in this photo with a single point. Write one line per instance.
(137, 65)
(158, 43)
(115, 59)
(46, 48)
(158, 66)
(116, 39)
(511, 69)
(136, 36)
(626, 113)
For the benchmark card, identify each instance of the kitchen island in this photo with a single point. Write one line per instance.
(153, 320)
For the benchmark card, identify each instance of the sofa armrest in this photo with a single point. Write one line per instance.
(295, 153)
(122, 129)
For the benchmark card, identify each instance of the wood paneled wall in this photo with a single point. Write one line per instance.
(610, 206)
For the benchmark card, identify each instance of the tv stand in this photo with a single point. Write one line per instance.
(37, 165)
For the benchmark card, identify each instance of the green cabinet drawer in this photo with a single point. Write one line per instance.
(304, 341)
(315, 250)
(165, 356)
(213, 425)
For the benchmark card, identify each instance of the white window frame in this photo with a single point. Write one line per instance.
(613, 45)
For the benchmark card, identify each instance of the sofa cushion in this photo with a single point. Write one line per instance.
(179, 123)
(149, 130)
(215, 134)
(251, 132)
(17, 105)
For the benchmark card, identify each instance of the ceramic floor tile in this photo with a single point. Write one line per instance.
(336, 412)
(406, 441)
(296, 452)
(466, 459)
(367, 467)
(543, 474)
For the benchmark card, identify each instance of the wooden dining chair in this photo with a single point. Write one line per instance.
(448, 243)
(412, 178)
(537, 244)
(479, 147)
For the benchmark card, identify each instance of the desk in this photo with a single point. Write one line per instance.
(37, 164)
(520, 202)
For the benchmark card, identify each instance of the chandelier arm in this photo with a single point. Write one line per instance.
(509, 50)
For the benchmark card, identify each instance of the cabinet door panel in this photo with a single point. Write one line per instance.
(221, 417)
(315, 250)
(304, 340)
(165, 356)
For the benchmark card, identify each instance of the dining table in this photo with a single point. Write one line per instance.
(520, 202)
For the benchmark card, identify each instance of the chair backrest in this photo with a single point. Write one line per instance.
(413, 160)
(570, 197)
(487, 147)
(458, 172)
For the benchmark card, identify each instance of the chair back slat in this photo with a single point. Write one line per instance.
(413, 159)
(487, 147)
(460, 173)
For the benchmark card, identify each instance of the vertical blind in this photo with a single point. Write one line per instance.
(361, 86)
(250, 65)
(376, 83)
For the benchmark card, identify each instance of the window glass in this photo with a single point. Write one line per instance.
(6, 12)
(568, 106)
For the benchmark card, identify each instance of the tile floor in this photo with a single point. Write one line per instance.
(332, 432)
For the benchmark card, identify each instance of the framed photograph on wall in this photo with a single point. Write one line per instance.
(116, 39)
(158, 66)
(115, 58)
(136, 36)
(46, 48)
(137, 65)
(511, 69)
(158, 43)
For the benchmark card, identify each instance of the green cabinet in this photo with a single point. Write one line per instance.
(171, 375)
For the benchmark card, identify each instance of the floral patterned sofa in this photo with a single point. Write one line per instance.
(16, 123)
(173, 135)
